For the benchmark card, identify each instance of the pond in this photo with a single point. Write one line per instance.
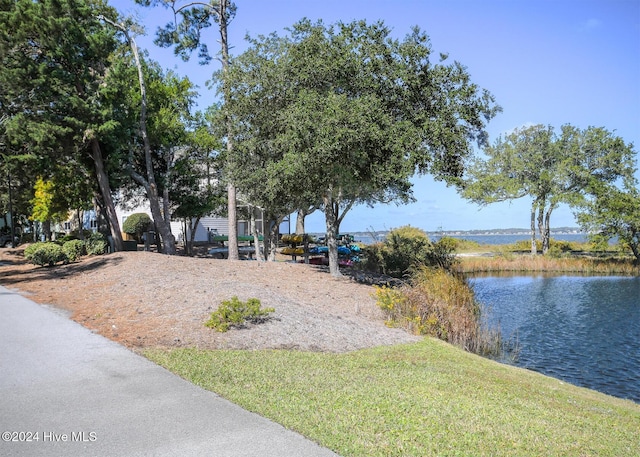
(583, 330)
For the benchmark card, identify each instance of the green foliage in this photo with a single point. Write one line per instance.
(45, 254)
(234, 313)
(551, 168)
(96, 244)
(346, 114)
(136, 224)
(613, 212)
(442, 254)
(51, 72)
(74, 249)
(65, 238)
(407, 248)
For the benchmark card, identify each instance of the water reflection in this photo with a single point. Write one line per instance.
(584, 330)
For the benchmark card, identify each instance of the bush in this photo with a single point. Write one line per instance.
(74, 249)
(64, 239)
(442, 254)
(438, 303)
(96, 244)
(234, 313)
(137, 224)
(407, 248)
(47, 253)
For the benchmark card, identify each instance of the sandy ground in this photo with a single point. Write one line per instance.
(144, 299)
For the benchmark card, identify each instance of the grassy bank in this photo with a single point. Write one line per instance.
(539, 263)
(421, 399)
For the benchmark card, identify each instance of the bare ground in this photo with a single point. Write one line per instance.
(144, 299)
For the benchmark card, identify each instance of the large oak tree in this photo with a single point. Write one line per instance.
(548, 167)
(346, 114)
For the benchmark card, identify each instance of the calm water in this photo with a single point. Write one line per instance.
(583, 330)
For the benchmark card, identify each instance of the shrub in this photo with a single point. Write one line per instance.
(408, 248)
(137, 224)
(45, 253)
(438, 303)
(74, 249)
(442, 254)
(96, 244)
(372, 258)
(63, 239)
(405, 247)
(234, 313)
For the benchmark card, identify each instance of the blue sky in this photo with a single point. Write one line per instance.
(546, 61)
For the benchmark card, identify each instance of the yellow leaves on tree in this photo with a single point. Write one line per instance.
(45, 205)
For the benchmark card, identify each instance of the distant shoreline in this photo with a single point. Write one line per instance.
(477, 232)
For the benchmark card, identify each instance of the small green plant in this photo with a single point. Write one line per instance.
(96, 244)
(234, 313)
(47, 253)
(74, 249)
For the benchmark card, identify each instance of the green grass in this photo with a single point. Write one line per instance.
(421, 399)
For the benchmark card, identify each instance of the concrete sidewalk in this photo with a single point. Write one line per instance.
(72, 392)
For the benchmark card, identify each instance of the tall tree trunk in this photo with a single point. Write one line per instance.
(185, 235)
(164, 228)
(105, 192)
(192, 233)
(300, 215)
(159, 218)
(46, 230)
(231, 188)
(274, 231)
(331, 219)
(635, 250)
(271, 235)
(80, 214)
(256, 235)
(232, 220)
(541, 222)
(546, 240)
(534, 248)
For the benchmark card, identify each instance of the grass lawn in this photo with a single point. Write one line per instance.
(422, 399)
